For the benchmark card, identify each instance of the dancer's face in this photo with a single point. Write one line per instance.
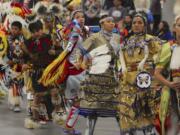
(79, 16)
(138, 25)
(108, 25)
(15, 31)
(38, 34)
(161, 26)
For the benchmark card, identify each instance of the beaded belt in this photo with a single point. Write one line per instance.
(176, 73)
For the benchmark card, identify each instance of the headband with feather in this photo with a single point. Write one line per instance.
(141, 15)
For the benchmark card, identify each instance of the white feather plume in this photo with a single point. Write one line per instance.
(5, 8)
(101, 59)
(38, 5)
(122, 61)
(146, 55)
(11, 18)
(58, 6)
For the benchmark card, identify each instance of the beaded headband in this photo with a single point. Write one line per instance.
(108, 18)
(141, 16)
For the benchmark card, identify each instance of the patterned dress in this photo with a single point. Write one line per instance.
(137, 106)
(100, 91)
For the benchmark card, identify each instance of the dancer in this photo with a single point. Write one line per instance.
(137, 97)
(99, 91)
(67, 67)
(170, 93)
(16, 60)
(38, 50)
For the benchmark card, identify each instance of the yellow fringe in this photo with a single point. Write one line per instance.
(49, 77)
(165, 96)
(3, 44)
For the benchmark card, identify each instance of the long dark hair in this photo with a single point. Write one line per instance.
(143, 17)
(165, 27)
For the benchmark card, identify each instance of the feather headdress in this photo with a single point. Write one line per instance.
(14, 8)
(56, 9)
(5, 8)
(31, 17)
(11, 18)
(42, 9)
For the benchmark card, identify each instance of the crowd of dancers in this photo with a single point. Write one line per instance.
(121, 65)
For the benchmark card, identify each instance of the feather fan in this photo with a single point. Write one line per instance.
(100, 60)
(99, 51)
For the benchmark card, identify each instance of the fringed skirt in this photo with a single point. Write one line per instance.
(99, 95)
(137, 109)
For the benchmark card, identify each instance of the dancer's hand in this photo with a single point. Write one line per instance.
(26, 66)
(175, 86)
(52, 52)
(77, 65)
(86, 63)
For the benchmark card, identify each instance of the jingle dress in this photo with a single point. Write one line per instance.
(137, 106)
